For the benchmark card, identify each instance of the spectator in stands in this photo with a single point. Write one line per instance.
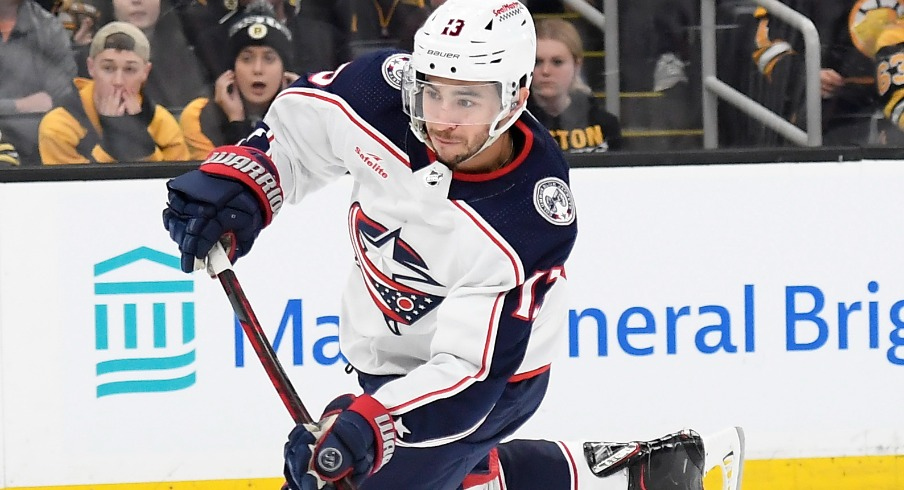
(317, 27)
(889, 50)
(672, 46)
(36, 71)
(846, 29)
(259, 44)
(321, 23)
(81, 20)
(676, 49)
(8, 154)
(109, 119)
(379, 24)
(177, 78)
(561, 100)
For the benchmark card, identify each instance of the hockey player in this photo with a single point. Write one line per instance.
(461, 220)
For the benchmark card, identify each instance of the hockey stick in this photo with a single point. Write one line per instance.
(219, 266)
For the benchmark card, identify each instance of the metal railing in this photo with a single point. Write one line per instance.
(713, 88)
(608, 25)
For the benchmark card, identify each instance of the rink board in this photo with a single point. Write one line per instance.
(766, 296)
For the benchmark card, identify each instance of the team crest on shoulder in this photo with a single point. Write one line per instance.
(554, 201)
(393, 67)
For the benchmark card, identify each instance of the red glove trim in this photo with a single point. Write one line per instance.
(383, 426)
(252, 168)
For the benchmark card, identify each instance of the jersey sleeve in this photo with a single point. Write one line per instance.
(769, 45)
(306, 131)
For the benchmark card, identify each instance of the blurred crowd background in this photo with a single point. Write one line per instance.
(94, 81)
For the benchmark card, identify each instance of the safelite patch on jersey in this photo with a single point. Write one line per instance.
(393, 67)
(553, 201)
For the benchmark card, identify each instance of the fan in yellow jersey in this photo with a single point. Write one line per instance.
(848, 30)
(261, 47)
(109, 119)
(890, 77)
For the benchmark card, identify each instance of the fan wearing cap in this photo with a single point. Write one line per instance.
(260, 47)
(109, 119)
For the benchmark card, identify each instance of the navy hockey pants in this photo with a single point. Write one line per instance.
(445, 467)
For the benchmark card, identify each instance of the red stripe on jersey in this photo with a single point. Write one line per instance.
(530, 374)
(474, 479)
(484, 361)
(351, 116)
(571, 464)
(483, 228)
(528, 143)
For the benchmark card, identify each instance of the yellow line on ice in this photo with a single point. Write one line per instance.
(849, 473)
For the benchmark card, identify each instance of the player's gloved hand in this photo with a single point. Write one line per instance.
(354, 437)
(235, 191)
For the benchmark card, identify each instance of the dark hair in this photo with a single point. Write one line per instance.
(119, 41)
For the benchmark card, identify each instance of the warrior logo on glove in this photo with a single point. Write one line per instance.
(388, 432)
(238, 163)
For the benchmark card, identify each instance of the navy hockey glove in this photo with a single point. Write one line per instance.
(234, 192)
(354, 437)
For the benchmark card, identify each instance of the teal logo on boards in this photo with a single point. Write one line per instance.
(144, 324)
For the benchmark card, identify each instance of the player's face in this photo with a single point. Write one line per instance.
(554, 70)
(457, 115)
(258, 74)
(120, 70)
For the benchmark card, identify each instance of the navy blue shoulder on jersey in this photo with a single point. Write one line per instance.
(365, 85)
(509, 202)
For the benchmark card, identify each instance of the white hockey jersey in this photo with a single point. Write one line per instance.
(458, 283)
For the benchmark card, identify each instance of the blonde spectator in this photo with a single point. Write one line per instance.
(109, 119)
(561, 100)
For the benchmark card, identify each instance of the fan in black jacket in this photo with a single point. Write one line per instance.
(561, 101)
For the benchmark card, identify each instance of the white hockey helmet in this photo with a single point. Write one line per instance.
(476, 41)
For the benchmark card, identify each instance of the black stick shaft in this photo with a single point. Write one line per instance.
(262, 348)
(267, 355)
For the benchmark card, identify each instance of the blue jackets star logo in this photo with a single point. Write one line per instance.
(396, 276)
